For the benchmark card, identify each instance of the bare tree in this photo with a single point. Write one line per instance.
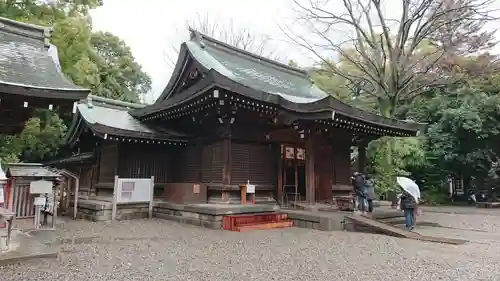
(229, 33)
(393, 58)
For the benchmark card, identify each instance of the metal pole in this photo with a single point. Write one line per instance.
(77, 191)
(151, 199)
(115, 199)
(54, 206)
(37, 213)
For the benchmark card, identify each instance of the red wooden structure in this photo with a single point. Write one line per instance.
(256, 221)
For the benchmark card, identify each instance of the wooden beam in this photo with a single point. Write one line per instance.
(280, 174)
(362, 157)
(226, 176)
(310, 171)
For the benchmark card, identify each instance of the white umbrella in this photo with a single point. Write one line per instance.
(409, 186)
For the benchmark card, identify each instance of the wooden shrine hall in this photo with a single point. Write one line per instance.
(227, 118)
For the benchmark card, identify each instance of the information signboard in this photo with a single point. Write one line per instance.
(134, 190)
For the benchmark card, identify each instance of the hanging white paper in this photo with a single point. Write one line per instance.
(250, 188)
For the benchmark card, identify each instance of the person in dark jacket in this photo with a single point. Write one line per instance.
(359, 190)
(408, 205)
(369, 193)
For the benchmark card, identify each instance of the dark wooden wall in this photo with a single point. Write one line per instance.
(256, 162)
(187, 165)
(324, 171)
(107, 161)
(213, 162)
(145, 160)
(342, 160)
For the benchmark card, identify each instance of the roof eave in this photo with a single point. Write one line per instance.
(326, 105)
(105, 132)
(180, 65)
(74, 130)
(206, 82)
(40, 92)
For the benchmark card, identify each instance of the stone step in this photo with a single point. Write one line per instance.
(488, 205)
(230, 222)
(263, 226)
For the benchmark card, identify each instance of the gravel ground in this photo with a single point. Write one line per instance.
(163, 250)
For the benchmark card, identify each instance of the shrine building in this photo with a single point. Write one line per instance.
(227, 118)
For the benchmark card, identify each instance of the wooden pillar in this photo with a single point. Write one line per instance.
(362, 159)
(310, 171)
(199, 161)
(280, 174)
(226, 176)
(226, 171)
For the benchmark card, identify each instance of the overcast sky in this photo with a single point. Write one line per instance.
(152, 27)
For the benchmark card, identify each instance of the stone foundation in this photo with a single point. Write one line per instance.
(206, 215)
(488, 205)
(96, 210)
(179, 213)
(325, 221)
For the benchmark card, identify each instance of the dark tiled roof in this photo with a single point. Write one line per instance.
(106, 116)
(28, 60)
(29, 170)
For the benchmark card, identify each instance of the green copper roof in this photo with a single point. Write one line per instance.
(254, 71)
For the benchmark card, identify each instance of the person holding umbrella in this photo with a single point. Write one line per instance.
(408, 205)
(409, 200)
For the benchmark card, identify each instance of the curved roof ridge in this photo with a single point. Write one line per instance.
(25, 29)
(200, 38)
(116, 103)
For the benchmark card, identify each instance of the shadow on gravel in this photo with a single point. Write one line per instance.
(434, 224)
(99, 240)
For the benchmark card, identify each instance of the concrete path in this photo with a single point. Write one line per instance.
(465, 210)
(26, 247)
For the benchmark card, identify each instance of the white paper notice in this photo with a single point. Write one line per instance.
(250, 188)
(2, 200)
(39, 201)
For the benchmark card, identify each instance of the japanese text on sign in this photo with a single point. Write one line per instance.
(127, 190)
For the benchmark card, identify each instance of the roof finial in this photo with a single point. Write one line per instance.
(196, 37)
(47, 33)
(89, 101)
